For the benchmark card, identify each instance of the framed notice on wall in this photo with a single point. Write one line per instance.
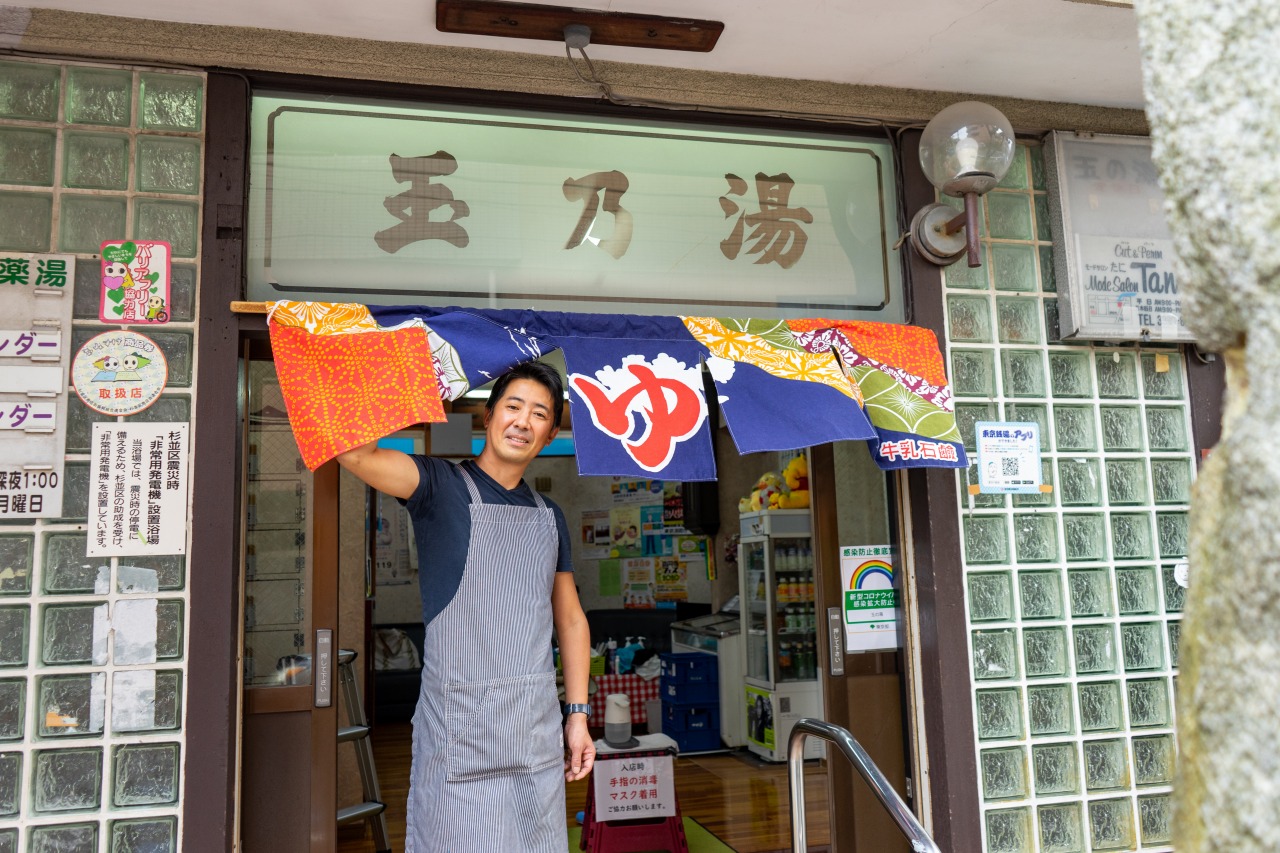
(1113, 254)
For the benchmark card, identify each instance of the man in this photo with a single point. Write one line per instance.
(489, 763)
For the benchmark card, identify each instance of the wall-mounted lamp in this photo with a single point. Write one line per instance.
(964, 151)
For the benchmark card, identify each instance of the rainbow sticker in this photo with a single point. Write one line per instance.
(872, 574)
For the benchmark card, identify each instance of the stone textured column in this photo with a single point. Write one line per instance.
(1211, 69)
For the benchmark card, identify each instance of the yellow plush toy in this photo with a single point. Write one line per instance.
(763, 494)
(797, 477)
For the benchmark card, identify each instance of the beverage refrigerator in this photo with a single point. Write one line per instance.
(779, 628)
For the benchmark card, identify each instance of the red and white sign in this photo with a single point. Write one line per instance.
(634, 787)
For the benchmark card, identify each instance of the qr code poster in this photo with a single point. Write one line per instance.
(1008, 457)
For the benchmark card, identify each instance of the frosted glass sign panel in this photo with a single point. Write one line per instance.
(1113, 249)
(384, 202)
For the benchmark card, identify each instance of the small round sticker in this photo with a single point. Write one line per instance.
(119, 373)
(1182, 572)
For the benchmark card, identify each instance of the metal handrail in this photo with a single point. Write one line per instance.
(858, 757)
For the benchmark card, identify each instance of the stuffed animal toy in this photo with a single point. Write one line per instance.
(796, 495)
(766, 489)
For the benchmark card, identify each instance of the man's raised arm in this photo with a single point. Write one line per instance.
(389, 471)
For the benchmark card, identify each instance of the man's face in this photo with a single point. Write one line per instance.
(520, 424)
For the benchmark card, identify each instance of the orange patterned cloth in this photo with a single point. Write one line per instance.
(345, 390)
(910, 348)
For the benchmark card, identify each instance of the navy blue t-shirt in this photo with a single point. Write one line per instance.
(441, 515)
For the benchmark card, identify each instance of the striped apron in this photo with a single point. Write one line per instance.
(488, 746)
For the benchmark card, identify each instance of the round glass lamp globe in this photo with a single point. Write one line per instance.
(967, 148)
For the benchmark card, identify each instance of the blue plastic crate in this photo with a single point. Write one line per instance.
(701, 740)
(689, 693)
(689, 668)
(690, 718)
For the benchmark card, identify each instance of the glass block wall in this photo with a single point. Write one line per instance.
(1073, 609)
(91, 736)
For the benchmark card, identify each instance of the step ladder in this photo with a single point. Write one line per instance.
(372, 809)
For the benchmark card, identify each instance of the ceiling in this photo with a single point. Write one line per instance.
(1051, 50)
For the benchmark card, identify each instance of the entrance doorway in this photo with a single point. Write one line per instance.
(307, 540)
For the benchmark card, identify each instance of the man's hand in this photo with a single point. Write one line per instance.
(582, 751)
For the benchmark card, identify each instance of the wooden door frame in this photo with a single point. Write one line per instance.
(212, 719)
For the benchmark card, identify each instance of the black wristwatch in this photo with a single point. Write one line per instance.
(577, 708)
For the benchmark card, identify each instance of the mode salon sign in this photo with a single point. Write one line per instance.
(1129, 287)
(1112, 248)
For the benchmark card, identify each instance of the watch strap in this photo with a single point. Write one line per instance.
(577, 708)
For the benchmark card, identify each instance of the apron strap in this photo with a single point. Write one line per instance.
(471, 485)
(475, 493)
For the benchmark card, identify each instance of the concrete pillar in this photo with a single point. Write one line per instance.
(1210, 68)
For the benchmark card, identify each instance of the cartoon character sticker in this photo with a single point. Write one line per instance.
(135, 282)
(119, 373)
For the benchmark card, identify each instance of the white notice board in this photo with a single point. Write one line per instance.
(138, 488)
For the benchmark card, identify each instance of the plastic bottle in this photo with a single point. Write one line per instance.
(625, 656)
(611, 656)
(784, 661)
(784, 589)
(793, 558)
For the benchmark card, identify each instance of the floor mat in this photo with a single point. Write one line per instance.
(700, 839)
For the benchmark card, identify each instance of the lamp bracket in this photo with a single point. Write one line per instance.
(929, 235)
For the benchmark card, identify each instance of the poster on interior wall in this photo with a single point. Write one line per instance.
(119, 373)
(1008, 457)
(672, 508)
(624, 531)
(135, 282)
(596, 534)
(610, 577)
(635, 491)
(870, 598)
(654, 539)
(638, 583)
(692, 551)
(671, 582)
(138, 488)
(392, 535)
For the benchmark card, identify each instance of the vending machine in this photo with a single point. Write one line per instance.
(779, 628)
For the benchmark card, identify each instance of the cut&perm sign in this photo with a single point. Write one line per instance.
(119, 373)
(870, 598)
(138, 489)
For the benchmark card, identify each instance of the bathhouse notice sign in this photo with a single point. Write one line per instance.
(138, 489)
(1111, 245)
